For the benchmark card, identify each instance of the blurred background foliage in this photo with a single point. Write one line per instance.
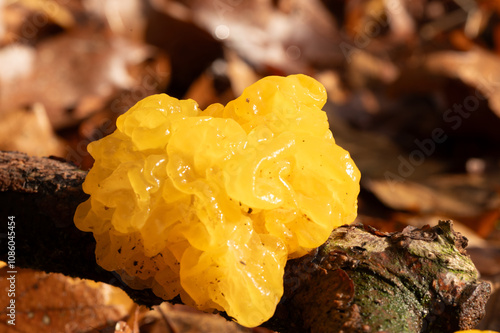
(413, 86)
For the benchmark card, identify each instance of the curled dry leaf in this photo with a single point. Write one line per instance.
(416, 197)
(472, 199)
(477, 67)
(79, 306)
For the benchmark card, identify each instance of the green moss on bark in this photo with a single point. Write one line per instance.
(417, 280)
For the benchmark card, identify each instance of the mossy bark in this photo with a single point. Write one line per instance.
(363, 280)
(360, 280)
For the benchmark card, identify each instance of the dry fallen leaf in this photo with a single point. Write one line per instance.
(450, 195)
(74, 75)
(415, 197)
(29, 131)
(56, 303)
(181, 318)
(477, 67)
(473, 200)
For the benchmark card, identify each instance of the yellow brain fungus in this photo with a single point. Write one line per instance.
(210, 204)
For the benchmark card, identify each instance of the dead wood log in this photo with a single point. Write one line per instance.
(360, 280)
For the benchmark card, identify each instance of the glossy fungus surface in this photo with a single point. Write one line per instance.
(209, 205)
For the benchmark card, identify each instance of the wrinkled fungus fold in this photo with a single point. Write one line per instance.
(209, 205)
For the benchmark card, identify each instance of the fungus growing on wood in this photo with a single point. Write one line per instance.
(209, 205)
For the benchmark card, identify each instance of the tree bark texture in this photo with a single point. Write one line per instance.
(360, 280)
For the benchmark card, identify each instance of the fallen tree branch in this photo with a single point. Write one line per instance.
(360, 280)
